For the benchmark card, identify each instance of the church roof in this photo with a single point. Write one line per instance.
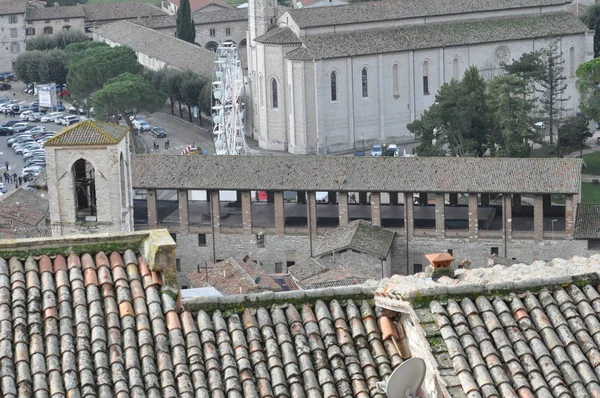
(528, 330)
(439, 35)
(89, 132)
(21, 208)
(587, 222)
(359, 235)
(279, 35)
(373, 11)
(352, 174)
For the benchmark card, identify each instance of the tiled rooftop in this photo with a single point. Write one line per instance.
(279, 35)
(359, 235)
(519, 331)
(21, 208)
(89, 132)
(353, 174)
(35, 14)
(13, 7)
(116, 11)
(587, 224)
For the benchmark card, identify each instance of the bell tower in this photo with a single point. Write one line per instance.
(89, 179)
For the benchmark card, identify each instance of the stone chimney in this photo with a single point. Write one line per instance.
(440, 264)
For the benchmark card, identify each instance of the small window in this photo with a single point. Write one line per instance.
(395, 81)
(260, 240)
(13, 32)
(228, 31)
(426, 78)
(13, 19)
(184, 287)
(494, 251)
(365, 83)
(290, 264)
(14, 47)
(278, 268)
(66, 19)
(333, 86)
(212, 32)
(450, 252)
(275, 102)
(178, 264)
(30, 31)
(456, 69)
(572, 68)
(201, 239)
(48, 30)
(418, 268)
(173, 236)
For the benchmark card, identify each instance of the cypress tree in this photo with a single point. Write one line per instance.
(186, 30)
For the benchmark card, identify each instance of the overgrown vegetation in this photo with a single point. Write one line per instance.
(60, 40)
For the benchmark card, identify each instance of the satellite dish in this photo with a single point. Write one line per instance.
(406, 379)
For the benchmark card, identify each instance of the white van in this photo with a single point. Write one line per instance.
(25, 115)
(68, 119)
(51, 117)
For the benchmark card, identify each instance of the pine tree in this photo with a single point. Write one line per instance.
(186, 30)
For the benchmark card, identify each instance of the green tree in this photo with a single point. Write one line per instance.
(59, 40)
(186, 29)
(95, 66)
(27, 66)
(190, 89)
(75, 50)
(573, 134)
(458, 123)
(592, 19)
(511, 105)
(205, 100)
(171, 85)
(53, 67)
(588, 85)
(125, 94)
(157, 78)
(529, 66)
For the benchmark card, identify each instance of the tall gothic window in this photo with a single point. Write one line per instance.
(395, 82)
(365, 83)
(426, 78)
(274, 102)
(262, 90)
(572, 61)
(333, 86)
(456, 69)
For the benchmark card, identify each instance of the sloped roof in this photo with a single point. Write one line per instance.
(196, 5)
(359, 235)
(39, 181)
(201, 17)
(8, 7)
(117, 11)
(587, 222)
(35, 13)
(352, 174)
(21, 208)
(439, 257)
(437, 35)
(279, 35)
(234, 277)
(89, 132)
(363, 12)
(525, 330)
(174, 52)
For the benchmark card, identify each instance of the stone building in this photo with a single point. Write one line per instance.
(12, 31)
(172, 6)
(88, 173)
(53, 20)
(327, 79)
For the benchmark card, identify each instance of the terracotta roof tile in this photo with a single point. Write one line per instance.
(89, 132)
(21, 208)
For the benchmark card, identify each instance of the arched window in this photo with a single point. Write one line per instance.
(333, 86)
(426, 78)
(84, 182)
(365, 83)
(274, 99)
(572, 61)
(456, 69)
(123, 183)
(212, 46)
(262, 91)
(395, 81)
(242, 44)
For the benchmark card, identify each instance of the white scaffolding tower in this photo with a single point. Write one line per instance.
(228, 110)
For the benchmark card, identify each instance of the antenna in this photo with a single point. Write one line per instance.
(405, 380)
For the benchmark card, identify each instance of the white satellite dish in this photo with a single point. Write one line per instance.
(406, 379)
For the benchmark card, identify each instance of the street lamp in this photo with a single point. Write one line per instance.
(553, 221)
(362, 139)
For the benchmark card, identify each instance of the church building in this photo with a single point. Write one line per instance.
(331, 79)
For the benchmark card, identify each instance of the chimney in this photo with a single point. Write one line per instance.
(440, 265)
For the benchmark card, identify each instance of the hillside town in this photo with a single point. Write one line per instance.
(300, 198)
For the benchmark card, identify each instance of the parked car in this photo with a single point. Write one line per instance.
(69, 120)
(377, 150)
(50, 117)
(10, 123)
(63, 93)
(36, 130)
(35, 117)
(5, 106)
(25, 115)
(3, 188)
(393, 150)
(5, 131)
(20, 127)
(5, 86)
(159, 132)
(142, 125)
(7, 76)
(34, 170)
(59, 107)
(360, 153)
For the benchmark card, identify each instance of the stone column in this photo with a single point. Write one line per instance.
(473, 217)
(375, 209)
(538, 217)
(423, 198)
(343, 208)
(507, 217)
(516, 203)
(182, 200)
(393, 198)
(440, 219)
(485, 199)
(279, 214)
(453, 199)
(570, 212)
(332, 197)
(246, 212)
(301, 197)
(312, 220)
(362, 198)
(152, 210)
(409, 217)
(215, 211)
(547, 201)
